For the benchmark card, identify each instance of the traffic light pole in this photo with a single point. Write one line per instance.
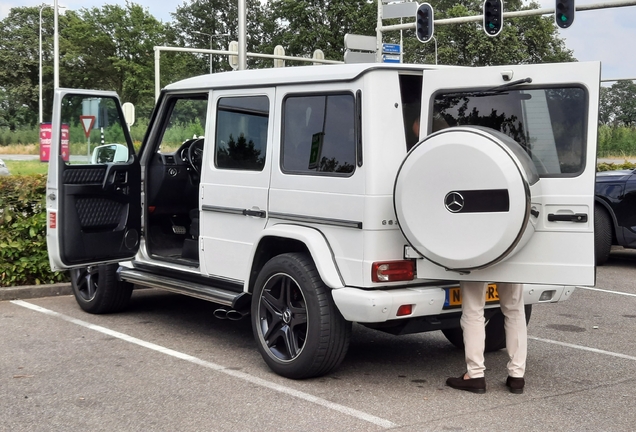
(242, 35)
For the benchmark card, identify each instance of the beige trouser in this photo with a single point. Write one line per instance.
(473, 325)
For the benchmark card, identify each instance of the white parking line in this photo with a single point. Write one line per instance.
(218, 368)
(606, 291)
(583, 348)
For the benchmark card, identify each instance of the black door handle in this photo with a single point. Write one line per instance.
(257, 213)
(577, 217)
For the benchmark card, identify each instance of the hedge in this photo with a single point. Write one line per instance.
(604, 166)
(23, 255)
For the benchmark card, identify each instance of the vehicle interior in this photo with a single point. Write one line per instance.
(173, 175)
(172, 197)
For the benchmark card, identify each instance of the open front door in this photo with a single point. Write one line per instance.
(94, 182)
(501, 187)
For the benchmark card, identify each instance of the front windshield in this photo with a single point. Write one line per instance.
(550, 124)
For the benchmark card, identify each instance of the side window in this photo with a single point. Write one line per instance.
(93, 131)
(411, 95)
(185, 121)
(241, 132)
(319, 134)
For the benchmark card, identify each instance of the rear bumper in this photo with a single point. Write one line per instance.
(375, 306)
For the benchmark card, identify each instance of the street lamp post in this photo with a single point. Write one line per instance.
(40, 100)
(40, 53)
(212, 36)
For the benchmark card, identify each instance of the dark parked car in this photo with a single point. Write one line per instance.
(614, 212)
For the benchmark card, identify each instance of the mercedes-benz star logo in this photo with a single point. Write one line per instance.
(454, 202)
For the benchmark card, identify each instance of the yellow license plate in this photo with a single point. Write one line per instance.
(454, 296)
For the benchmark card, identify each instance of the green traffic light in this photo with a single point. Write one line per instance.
(564, 18)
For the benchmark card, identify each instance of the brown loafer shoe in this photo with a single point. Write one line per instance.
(515, 385)
(473, 385)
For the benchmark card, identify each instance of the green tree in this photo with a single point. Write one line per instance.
(618, 104)
(605, 106)
(302, 26)
(214, 17)
(112, 49)
(19, 70)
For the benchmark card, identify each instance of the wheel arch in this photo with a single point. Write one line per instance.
(285, 238)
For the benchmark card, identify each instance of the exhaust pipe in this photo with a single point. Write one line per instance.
(221, 314)
(235, 315)
(231, 314)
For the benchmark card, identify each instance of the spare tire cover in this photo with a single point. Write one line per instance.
(462, 197)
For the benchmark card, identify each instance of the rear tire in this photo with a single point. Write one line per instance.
(98, 291)
(495, 333)
(602, 235)
(298, 329)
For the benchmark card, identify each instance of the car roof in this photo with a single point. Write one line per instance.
(288, 75)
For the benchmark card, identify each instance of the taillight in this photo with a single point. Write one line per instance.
(392, 271)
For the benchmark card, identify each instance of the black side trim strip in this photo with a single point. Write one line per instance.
(222, 209)
(316, 220)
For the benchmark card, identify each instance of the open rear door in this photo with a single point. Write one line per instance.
(501, 188)
(93, 187)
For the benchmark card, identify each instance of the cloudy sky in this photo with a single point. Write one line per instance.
(604, 35)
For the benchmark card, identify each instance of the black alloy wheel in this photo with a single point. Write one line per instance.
(283, 317)
(298, 329)
(97, 289)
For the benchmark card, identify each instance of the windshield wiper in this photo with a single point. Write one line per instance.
(493, 91)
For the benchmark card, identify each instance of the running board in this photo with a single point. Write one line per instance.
(192, 289)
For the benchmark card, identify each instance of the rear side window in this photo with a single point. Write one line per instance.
(319, 134)
(549, 123)
(241, 132)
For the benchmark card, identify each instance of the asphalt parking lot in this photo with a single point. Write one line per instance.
(167, 364)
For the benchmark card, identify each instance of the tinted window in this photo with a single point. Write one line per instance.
(549, 124)
(241, 132)
(319, 134)
(411, 94)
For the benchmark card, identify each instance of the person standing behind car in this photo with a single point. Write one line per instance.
(473, 325)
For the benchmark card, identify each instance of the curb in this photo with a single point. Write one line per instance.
(35, 291)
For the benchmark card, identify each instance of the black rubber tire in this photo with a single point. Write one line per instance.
(495, 333)
(298, 329)
(98, 291)
(602, 235)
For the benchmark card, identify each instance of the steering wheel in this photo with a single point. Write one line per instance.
(195, 155)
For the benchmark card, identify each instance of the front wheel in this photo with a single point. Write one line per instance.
(298, 329)
(98, 291)
(495, 332)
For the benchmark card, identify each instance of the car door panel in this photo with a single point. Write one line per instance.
(557, 246)
(94, 210)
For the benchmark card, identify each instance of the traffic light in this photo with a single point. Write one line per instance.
(424, 23)
(493, 17)
(564, 13)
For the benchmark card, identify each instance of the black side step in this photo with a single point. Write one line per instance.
(237, 300)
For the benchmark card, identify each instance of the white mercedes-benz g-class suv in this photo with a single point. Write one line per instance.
(314, 197)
